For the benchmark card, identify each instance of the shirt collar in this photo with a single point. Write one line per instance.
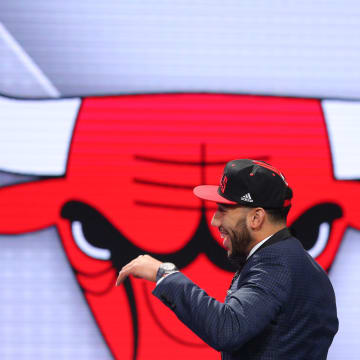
(258, 245)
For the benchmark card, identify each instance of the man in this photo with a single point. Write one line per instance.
(280, 304)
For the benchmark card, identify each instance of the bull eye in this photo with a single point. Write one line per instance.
(313, 227)
(85, 246)
(89, 229)
(321, 241)
(96, 236)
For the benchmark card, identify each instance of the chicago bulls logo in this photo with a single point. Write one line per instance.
(223, 183)
(128, 191)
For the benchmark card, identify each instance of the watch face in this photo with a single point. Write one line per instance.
(168, 266)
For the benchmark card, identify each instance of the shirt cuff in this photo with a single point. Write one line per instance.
(161, 279)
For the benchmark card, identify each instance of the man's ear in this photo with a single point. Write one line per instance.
(256, 218)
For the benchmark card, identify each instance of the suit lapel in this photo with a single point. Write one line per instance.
(277, 237)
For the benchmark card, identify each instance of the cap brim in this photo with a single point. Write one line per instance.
(209, 192)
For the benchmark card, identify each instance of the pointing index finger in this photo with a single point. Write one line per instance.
(123, 274)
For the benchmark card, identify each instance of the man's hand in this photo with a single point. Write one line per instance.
(144, 267)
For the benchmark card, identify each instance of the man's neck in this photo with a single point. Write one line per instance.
(264, 234)
(255, 247)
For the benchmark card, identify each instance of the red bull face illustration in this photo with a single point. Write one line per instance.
(132, 165)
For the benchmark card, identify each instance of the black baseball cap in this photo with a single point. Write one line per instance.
(251, 183)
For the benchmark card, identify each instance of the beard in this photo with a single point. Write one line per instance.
(240, 239)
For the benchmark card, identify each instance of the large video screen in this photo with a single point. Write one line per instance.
(111, 113)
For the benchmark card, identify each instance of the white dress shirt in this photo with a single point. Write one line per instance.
(258, 245)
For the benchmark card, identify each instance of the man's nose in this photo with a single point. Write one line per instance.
(215, 221)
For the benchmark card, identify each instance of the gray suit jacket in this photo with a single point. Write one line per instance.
(281, 306)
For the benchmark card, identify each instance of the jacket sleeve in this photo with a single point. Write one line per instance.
(248, 310)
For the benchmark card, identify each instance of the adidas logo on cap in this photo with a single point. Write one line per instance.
(247, 197)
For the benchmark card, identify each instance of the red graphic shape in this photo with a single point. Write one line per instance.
(136, 159)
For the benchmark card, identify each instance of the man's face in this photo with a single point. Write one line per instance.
(231, 221)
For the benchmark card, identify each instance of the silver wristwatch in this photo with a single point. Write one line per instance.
(165, 268)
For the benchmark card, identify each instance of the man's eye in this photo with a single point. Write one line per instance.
(313, 227)
(85, 246)
(221, 209)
